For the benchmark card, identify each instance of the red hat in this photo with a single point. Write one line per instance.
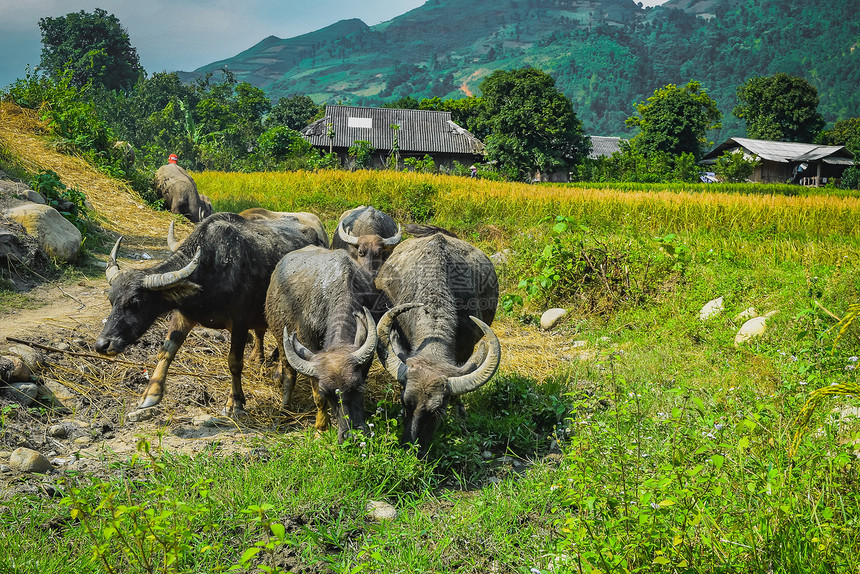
(173, 158)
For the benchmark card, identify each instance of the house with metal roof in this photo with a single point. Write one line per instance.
(788, 162)
(417, 133)
(604, 146)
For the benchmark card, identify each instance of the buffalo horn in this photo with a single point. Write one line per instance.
(394, 239)
(365, 354)
(387, 355)
(304, 366)
(172, 243)
(171, 278)
(471, 381)
(112, 267)
(344, 236)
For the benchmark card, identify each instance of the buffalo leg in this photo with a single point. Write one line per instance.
(320, 401)
(288, 382)
(236, 360)
(258, 353)
(177, 331)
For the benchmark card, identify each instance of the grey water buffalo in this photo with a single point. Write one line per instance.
(368, 235)
(180, 195)
(307, 224)
(309, 221)
(320, 306)
(217, 278)
(445, 293)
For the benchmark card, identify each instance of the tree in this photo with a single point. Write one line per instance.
(844, 132)
(734, 167)
(675, 120)
(779, 107)
(94, 46)
(294, 112)
(530, 124)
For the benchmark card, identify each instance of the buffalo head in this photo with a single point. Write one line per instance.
(339, 373)
(138, 298)
(371, 250)
(428, 383)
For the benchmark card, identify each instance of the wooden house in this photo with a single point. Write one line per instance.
(788, 162)
(417, 133)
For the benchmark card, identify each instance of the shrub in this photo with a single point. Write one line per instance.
(733, 167)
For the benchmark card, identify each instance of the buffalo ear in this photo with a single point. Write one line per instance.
(181, 291)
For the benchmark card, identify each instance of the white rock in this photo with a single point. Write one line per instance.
(746, 314)
(140, 415)
(28, 354)
(379, 510)
(28, 460)
(752, 328)
(551, 317)
(712, 308)
(57, 236)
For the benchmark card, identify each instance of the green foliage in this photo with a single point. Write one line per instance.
(93, 47)
(418, 201)
(844, 132)
(675, 120)
(734, 167)
(420, 165)
(634, 165)
(295, 113)
(530, 125)
(70, 202)
(779, 107)
(361, 153)
(851, 177)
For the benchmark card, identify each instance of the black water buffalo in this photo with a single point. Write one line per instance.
(179, 192)
(445, 293)
(320, 307)
(368, 235)
(217, 278)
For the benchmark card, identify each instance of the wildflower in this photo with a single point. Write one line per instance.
(655, 506)
(801, 383)
(554, 487)
(853, 359)
(534, 571)
(718, 426)
(362, 444)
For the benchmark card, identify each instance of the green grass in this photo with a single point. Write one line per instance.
(674, 443)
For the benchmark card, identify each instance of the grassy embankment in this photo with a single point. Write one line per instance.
(674, 442)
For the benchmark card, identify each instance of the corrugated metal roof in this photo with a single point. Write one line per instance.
(420, 131)
(604, 146)
(783, 152)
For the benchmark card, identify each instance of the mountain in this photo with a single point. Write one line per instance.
(606, 55)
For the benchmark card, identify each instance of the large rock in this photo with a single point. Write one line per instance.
(752, 328)
(17, 248)
(711, 309)
(28, 460)
(56, 236)
(551, 317)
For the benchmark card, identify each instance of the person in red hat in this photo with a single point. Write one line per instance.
(173, 158)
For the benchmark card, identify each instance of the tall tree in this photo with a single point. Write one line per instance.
(675, 120)
(779, 107)
(93, 46)
(844, 132)
(295, 112)
(530, 124)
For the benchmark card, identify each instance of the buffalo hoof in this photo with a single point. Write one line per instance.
(235, 413)
(149, 401)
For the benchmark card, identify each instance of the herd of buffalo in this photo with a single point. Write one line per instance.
(424, 305)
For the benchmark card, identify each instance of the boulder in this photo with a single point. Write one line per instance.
(712, 308)
(28, 460)
(56, 236)
(17, 248)
(14, 370)
(24, 393)
(551, 317)
(746, 314)
(32, 357)
(753, 328)
(379, 510)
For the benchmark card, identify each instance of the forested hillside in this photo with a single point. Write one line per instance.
(604, 54)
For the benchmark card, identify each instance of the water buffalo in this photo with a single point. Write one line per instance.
(179, 192)
(217, 278)
(308, 220)
(368, 235)
(320, 306)
(445, 293)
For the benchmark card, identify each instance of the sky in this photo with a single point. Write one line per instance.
(186, 34)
